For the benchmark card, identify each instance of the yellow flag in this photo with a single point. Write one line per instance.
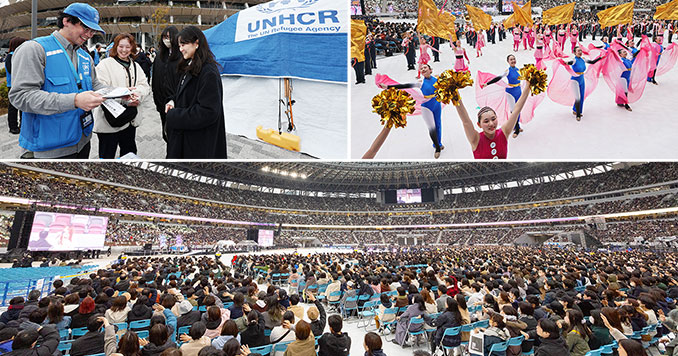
(448, 20)
(431, 22)
(521, 16)
(559, 15)
(358, 32)
(668, 11)
(480, 20)
(616, 15)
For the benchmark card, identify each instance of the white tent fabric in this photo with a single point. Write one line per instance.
(319, 112)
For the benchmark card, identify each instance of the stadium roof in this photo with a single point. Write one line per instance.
(375, 176)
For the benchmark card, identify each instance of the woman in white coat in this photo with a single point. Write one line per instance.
(120, 70)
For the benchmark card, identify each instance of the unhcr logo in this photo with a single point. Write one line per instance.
(279, 5)
(299, 20)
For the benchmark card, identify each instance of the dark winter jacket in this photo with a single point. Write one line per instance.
(550, 347)
(11, 314)
(444, 321)
(188, 318)
(50, 341)
(80, 320)
(139, 312)
(254, 335)
(153, 350)
(317, 326)
(334, 344)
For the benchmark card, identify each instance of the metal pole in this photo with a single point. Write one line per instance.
(34, 19)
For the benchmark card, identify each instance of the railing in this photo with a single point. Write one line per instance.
(24, 280)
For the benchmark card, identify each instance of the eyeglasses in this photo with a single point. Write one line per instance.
(88, 30)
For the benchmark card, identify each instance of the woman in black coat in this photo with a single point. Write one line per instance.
(166, 72)
(195, 117)
(254, 335)
(550, 341)
(450, 318)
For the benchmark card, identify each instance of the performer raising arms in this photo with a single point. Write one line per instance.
(424, 57)
(459, 54)
(431, 109)
(560, 92)
(513, 89)
(490, 143)
(516, 38)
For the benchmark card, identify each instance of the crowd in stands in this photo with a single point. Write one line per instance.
(634, 176)
(476, 207)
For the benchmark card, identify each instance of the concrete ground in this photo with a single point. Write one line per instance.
(150, 144)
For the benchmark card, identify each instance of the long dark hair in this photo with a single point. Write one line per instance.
(203, 55)
(129, 344)
(15, 42)
(173, 52)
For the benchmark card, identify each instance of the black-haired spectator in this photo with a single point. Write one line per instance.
(195, 340)
(25, 342)
(335, 342)
(93, 341)
(16, 305)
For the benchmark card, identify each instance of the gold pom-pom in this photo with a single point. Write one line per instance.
(393, 105)
(536, 77)
(448, 84)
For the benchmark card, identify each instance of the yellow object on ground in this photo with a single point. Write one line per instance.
(284, 140)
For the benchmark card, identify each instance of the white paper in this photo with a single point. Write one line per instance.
(114, 107)
(111, 93)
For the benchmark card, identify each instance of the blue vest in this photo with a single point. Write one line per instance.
(48, 132)
(9, 76)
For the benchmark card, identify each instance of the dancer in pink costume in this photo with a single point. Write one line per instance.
(424, 57)
(561, 37)
(574, 34)
(459, 54)
(503, 96)
(629, 32)
(539, 52)
(516, 38)
(573, 81)
(662, 59)
(547, 41)
(480, 43)
(625, 76)
(530, 37)
(526, 37)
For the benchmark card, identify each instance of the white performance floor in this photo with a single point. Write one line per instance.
(606, 132)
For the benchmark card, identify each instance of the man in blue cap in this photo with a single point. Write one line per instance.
(53, 84)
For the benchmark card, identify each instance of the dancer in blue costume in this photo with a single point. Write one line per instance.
(431, 110)
(513, 89)
(579, 67)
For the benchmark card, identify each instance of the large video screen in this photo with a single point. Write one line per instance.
(507, 5)
(408, 196)
(265, 238)
(67, 232)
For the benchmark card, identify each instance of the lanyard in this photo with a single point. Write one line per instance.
(73, 70)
